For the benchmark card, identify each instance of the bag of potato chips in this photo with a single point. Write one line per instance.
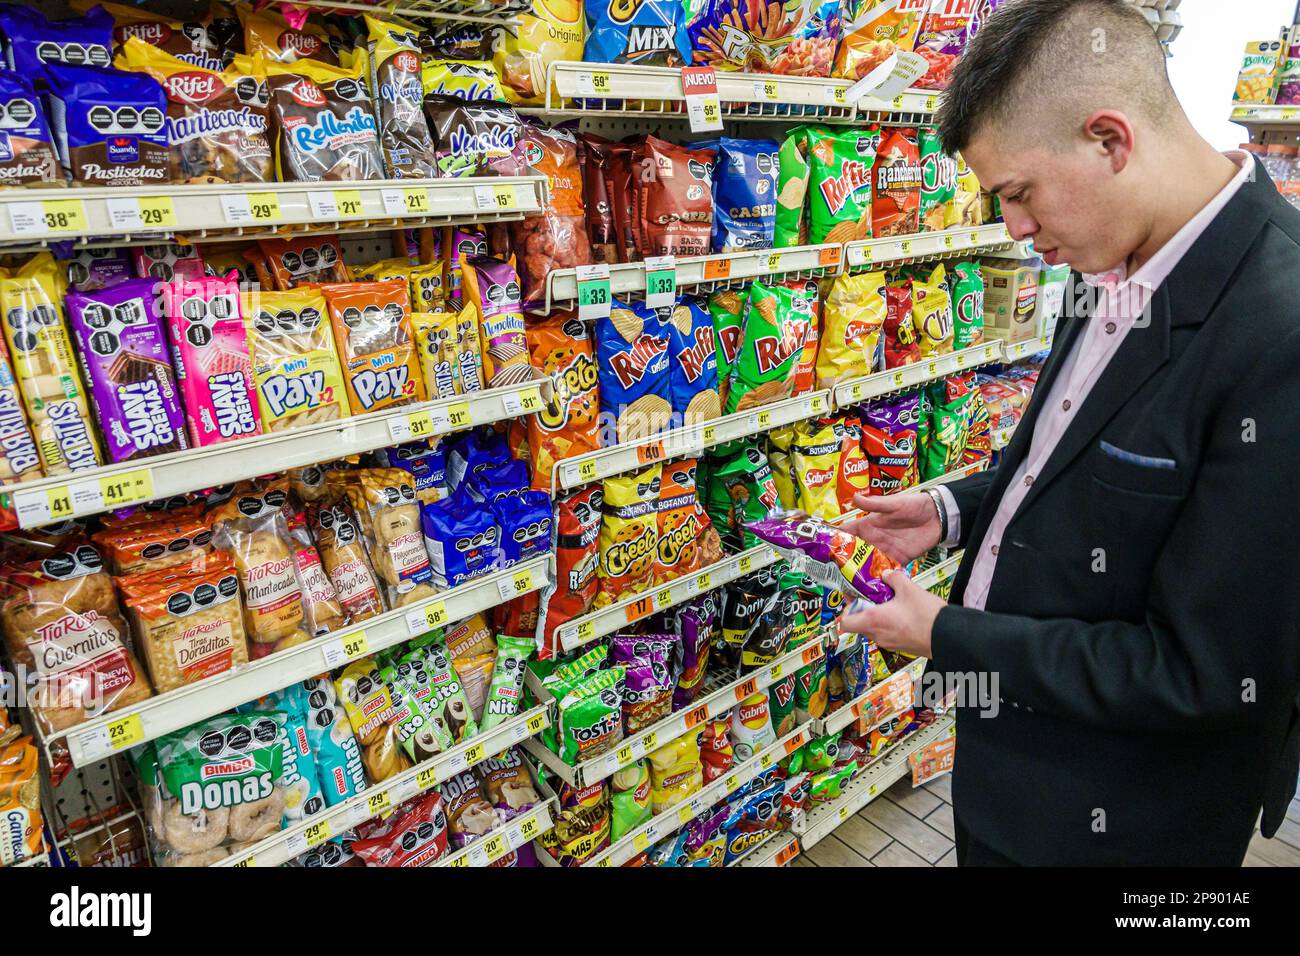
(854, 316)
(815, 463)
(632, 346)
(629, 534)
(965, 209)
(967, 305)
(938, 181)
(792, 189)
(775, 331)
(840, 200)
(549, 31)
(932, 313)
(874, 30)
(569, 426)
(726, 309)
(855, 467)
(694, 371)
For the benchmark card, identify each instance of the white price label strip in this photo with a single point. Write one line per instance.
(323, 205)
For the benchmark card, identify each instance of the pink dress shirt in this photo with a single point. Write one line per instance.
(1120, 301)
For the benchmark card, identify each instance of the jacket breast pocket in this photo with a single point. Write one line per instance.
(1134, 473)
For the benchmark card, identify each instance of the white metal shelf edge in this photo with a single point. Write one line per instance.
(872, 253)
(494, 845)
(918, 373)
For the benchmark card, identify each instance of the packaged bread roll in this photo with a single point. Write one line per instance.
(343, 555)
(385, 504)
(320, 602)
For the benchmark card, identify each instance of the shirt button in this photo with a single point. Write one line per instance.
(1110, 328)
(1029, 480)
(1065, 405)
(994, 550)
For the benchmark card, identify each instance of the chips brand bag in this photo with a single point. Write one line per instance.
(557, 238)
(629, 534)
(569, 425)
(492, 287)
(855, 468)
(674, 197)
(966, 209)
(123, 353)
(873, 31)
(783, 477)
(577, 558)
(112, 126)
(968, 305)
(938, 181)
(854, 316)
(475, 139)
(467, 79)
(31, 302)
(826, 555)
(326, 131)
(694, 372)
(26, 148)
(372, 327)
(945, 30)
(815, 463)
(840, 202)
(805, 370)
(740, 489)
(651, 33)
(896, 193)
(687, 538)
(889, 440)
(633, 349)
(776, 328)
(270, 34)
(295, 364)
(744, 194)
(791, 221)
(398, 90)
(932, 313)
(595, 154)
(216, 121)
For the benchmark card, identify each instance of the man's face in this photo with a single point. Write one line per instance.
(1070, 202)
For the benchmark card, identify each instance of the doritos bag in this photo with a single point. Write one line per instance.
(889, 440)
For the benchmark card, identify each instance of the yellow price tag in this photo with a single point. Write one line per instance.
(844, 813)
(774, 262)
(625, 754)
(990, 351)
(866, 253)
(60, 500)
(906, 247)
(745, 564)
(650, 742)
(766, 761)
(932, 368)
(528, 829)
(664, 599)
(947, 242)
(355, 645)
(840, 95)
(769, 91)
(264, 206)
(709, 436)
(317, 833)
(604, 862)
(435, 614)
(426, 778)
(496, 847)
(586, 631)
(378, 803)
(731, 783)
(530, 401)
(587, 470)
(124, 489)
(247, 861)
(348, 202)
(898, 378)
(764, 419)
(855, 393)
(460, 861)
(503, 197)
(125, 731)
(640, 842)
(961, 361)
(818, 404)
(702, 582)
(974, 238)
(685, 814)
(473, 755)
(535, 723)
(777, 672)
(898, 102)
(420, 423)
(157, 211)
(416, 201)
(64, 215)
(458, 415)
(930, 102)
(872, 790)
(600, 82)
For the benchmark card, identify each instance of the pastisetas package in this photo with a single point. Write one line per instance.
(123, 353)
(109, 126)
(26, 148)
(33, 42)
(326, 131)
(210, 355)
(674, 199)
(889, 440)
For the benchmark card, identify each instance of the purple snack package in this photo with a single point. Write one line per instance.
(832, 557)
(891, 414)
(32, 40)
(648, 692)
(525, 522)
(697, 623)
(123, 354)
(91, 269)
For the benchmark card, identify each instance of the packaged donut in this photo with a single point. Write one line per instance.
(372, 327)
(396, 81)
(210, 355)
(331, 741)
(45, 367)
(443, 694)
(420, 731)
(343, 554)
(251, 527)
(384, 502)
(62, 622)
(302, 788)
(194, 822)
(27, 154)
(492, 287)
(326, 131)
(295, 365)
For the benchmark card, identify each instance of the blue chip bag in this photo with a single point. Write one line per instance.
(425, 461)
(525, 523)
(113, 128)
(462, 538)
(744, 194)
(32, 42)
(26, 149)
(632, 362)
(497, 481)
(651, 33)
(473, 452)
(329, 735)
(753, 819)
(694, 369)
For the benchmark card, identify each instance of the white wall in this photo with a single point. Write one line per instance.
(1207, 56)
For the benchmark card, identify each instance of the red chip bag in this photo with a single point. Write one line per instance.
(414, 835)
(896, 192)
(901, 346)
(716, 753)
(556, 239)
(855, 467)
(577, 557)
(674, 199)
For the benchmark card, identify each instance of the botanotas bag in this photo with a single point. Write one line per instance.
(325, 129)
(26, 148)
(629, 535)
(889, 439)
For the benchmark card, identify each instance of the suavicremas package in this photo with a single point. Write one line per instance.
(109, 126)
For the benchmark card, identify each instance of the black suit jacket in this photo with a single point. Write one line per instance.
(1143, 620)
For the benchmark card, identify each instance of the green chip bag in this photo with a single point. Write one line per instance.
(629, 798)
(810, 692)
(839, 202)
(507, 687)
(418, 734)
(938, 180)
(741, 489)
(792, 188)
(967, 305)
(946, 440)
(591, 716)
(776, 324)
(781, 706)
(727, 309)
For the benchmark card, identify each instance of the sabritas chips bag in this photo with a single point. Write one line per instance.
(372, 326)
(840, 199)
(776, 327)
(551, 30)
(815, 463)
(851, 324)
(873, 31)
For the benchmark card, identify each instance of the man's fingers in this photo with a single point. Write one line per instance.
(898, 580)
(860, 622)
(877, 504)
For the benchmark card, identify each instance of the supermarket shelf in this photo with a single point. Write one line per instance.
(1013, 351)
(965, 471)
(878, 777)
(688, 441)
(296, 840)
(706, 273)
(706, 708)
(961, 240)
(937, 574)
(494, 845)
(96, 739)
(462, 11)
(674, 818)
(585, 629)
(49, 500)
(251, 210)
(778, 850)
(1266, 116)
(916, 374)
(874, 706)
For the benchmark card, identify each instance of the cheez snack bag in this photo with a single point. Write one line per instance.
(629, 534)
(372, 327)
(570, 424)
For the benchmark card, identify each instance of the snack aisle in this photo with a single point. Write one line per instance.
(360, 457)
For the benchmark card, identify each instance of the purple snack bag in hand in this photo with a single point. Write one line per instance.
(123, 354)
(832, 557)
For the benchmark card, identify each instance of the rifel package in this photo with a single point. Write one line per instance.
(398, 91)
(327, 131)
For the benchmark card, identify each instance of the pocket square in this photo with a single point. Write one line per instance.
(1142, 461)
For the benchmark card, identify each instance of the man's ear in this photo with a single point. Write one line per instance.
(1112, 133)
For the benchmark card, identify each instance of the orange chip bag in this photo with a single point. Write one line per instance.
(561, 348)
(687, 539)
(873, 31)
(805, 373)
(20, 802)
(372, 325)
(292, 262)
(855, 466)
(896, 196)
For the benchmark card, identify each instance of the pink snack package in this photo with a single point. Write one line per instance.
(210, 354)
(167, 261)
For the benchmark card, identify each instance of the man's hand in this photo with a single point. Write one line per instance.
(902, 526)
(903, 624)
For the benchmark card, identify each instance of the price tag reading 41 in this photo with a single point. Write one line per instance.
(593, 291)
(660, 281)
(700, 87)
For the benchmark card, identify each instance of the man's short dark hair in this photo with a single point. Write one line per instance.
(1056, 55)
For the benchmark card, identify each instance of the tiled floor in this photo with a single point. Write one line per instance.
(907, 827)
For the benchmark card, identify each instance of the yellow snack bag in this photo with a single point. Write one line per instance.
(427, 288)
(965, 208)
(269, 33)
(469, 351)
(20, 801)
(853, 318)
(435, 339)
(783, 478)
(675, 772)
(1260, 69)
(295, 364)
(552, 30)
(31, 301)
(629, 534)
(815, 464)
(932, 313)
(382, 271)
(468, 79)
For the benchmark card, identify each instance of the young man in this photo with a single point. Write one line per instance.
(1127, 579)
